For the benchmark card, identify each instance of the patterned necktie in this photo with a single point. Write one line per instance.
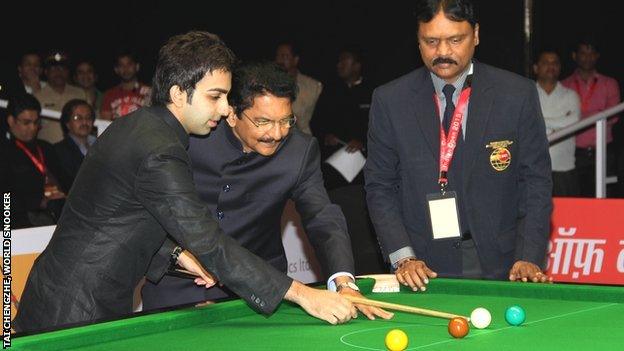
(448, 91)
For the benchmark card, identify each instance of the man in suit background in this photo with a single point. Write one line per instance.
(488, 214)
(31, 172)
(135, 187)
(342, 118)
(256, 164)
(77, 119)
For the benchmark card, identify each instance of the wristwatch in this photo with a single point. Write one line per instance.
(400, 262)
(175, 254)
(350, 285)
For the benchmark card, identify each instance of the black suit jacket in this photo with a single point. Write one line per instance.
(70, 156)
(507, 212)
(247, 192)
(342, 111)
(134, 187)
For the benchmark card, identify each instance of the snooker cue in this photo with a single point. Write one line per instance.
(184, 271)
(403, 308)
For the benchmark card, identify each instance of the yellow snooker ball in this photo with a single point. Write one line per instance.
(396, 340)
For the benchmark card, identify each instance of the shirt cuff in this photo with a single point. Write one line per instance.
(400, 254)
(331, 285)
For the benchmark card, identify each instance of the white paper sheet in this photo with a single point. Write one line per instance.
(347, 164)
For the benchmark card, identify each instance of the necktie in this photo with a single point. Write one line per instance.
(448, 91)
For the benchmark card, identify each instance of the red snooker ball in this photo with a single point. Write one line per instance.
(458, 327)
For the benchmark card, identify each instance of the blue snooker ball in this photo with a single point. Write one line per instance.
(515, 315)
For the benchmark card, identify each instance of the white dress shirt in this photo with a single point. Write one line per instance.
(560, 109)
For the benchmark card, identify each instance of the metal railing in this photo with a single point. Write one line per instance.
(600, 119)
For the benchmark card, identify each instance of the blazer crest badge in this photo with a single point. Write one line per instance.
(500, 158)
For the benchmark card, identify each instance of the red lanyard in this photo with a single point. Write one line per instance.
(585, 97)
(39, 162)
(448, 143)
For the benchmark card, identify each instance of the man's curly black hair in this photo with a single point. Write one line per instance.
(257, 79)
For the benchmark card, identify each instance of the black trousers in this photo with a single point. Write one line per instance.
(566, 184)
(586, 168)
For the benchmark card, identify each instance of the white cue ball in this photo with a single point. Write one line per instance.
(480, 318)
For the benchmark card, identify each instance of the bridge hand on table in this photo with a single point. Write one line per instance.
(322, 304)
(368, 311)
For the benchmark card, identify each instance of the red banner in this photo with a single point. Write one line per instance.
(587, 241)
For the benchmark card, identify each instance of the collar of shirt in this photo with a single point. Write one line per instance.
(555, 91)
(439, 83)
(586, 84)
(83, 148)
(173, 122)
(577, 76)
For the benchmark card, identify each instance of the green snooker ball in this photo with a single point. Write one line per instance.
(515, 315)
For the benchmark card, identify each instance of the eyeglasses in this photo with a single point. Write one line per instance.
(81, 118)
(267, 124)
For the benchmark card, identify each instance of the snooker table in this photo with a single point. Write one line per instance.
(559, 317)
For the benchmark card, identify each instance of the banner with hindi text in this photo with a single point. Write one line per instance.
(587, 241)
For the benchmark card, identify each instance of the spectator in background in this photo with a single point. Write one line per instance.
(343, 115)
(130, 94)
(287, 56)
(10, 85)
(561, 108)
(77, 122)
(597, 92)
(85, 77)
(342, 118)
(29, 70)
(56, 94)
(30, 169)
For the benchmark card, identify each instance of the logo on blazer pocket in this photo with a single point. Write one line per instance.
(500, 158)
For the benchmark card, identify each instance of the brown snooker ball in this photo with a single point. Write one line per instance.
(458, 327)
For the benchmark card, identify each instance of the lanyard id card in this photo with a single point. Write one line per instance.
(444, 215)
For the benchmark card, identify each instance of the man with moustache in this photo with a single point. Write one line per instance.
(458, 172)
(259, 162)
(56, 94)
(134, 188)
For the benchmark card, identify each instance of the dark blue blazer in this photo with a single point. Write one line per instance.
(507, 212)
